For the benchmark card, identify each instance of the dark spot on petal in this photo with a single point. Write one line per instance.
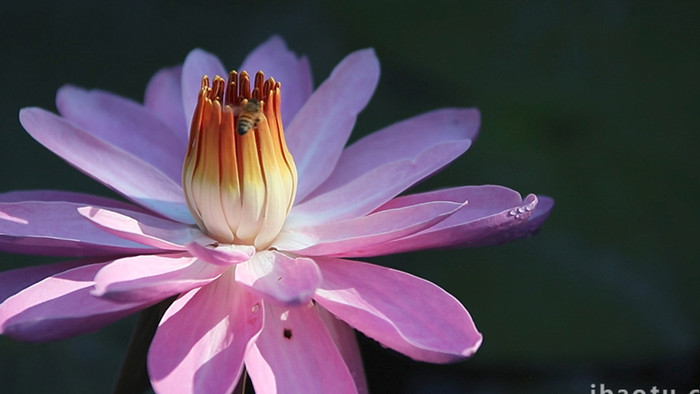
(287, 333)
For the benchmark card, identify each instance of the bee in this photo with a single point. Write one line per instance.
(249, 116)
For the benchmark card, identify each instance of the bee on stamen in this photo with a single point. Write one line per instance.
(249, 116)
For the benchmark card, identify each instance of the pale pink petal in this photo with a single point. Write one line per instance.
(494, 214)
(345, 340)
(164, 98)
(275, 60)
(57, 228)
(322, 126)
(201, 340)
(220, 254)
(280, 278)
(114, 167)
(294, 353)
(404, 140)
(400, 311)
(364, 194)
(352, 237)
(142, 228)
(125, 124)
(153, 278)
(60, 307)
(198, 63)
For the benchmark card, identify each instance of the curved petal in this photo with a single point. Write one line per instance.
(153, 278)
(294, 353)
(126, 125)
(198, 63)
(196, 352)
(494, 214)
(142, 228)
(280, 278)
(403, 140)
(346, 343)
(164, 98)
(319, 131)
(60, 307)
(275, 60)
(352, 237)
(224, 255)
(400, 311)
(119, 170)
(367, 192)
(57, 228)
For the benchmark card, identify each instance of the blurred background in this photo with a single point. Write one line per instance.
(592, 103)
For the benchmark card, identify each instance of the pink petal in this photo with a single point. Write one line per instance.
(352, 237)
(375, 187)
(319, 131)
(275, 60)
(280, 278)
(60, 306)
(401, 311)
(164, 98)
(201, 340)
(346, 342)
(57, 228)
(125, 124)
(224, 255)
(153, 278)
(295, 353)
(404, 140)
(14, 281)
(494, 214)
(57, 196)
(198, 63)
(142, 228)
(119, 170)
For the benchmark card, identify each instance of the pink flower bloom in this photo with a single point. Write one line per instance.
(255, 234)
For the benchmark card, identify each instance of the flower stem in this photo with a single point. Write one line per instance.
(133, 376)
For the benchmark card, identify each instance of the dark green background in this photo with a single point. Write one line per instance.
(593, 103)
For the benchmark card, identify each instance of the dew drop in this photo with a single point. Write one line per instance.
(255, 308)
(512, 212)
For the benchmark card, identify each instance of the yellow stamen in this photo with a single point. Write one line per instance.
(239, 177)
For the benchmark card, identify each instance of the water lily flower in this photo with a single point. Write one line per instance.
(257, 233)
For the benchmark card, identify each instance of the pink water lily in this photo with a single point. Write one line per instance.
(256, 234)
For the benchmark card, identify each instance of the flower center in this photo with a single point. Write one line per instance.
(239, 178)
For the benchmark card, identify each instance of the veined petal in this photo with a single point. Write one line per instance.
(164, 98)
(494, 214)
(322, 126)
(293, 72)
(352, 237)
(61, 306)
(345, 341)
(367, 192)
(400, 311)
(294, 353)
(124, 124)
(280, 278)
(197, 64)
(142, 228)
(57, 228)
(196, 352)
(114, 167)
(407, 139)
(151, 278)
